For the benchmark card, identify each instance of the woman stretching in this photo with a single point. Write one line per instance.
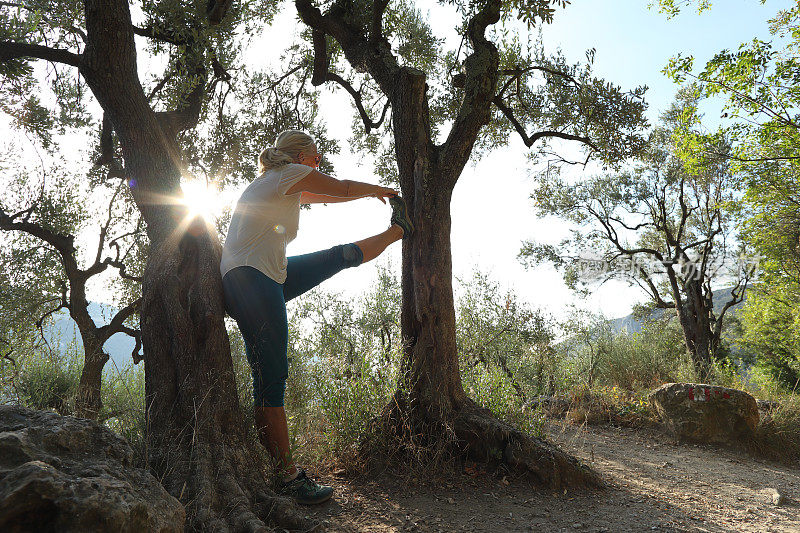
(258, 279)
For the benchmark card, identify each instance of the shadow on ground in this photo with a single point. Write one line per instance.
(652, 485)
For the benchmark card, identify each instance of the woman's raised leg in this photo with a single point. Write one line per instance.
(374, 246)
(304, 272)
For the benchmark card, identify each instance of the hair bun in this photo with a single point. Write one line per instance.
(288, 146)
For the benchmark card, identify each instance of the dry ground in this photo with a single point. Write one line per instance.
(654, 484)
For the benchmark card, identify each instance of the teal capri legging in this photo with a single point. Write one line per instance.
(258, 304)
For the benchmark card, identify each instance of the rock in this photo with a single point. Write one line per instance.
(775, 497)
(59, 473)
(706, 413)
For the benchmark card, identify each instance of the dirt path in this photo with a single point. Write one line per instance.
(653, 485)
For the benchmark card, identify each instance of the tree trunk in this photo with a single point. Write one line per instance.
(88, 401)
(197, 439)
(430, 400)
(693, 316)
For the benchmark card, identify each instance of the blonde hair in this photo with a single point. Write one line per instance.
(287, 148)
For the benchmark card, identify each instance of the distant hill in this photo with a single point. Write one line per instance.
(628, 324)
(63, 336)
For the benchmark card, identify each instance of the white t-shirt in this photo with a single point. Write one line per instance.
(264, 222)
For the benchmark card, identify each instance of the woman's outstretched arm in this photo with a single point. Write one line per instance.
(316, 185)
(313, 198)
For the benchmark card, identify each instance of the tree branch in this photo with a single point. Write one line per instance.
(137, 336)
(373, 55)
(321, 59)
(216, 10)
(376, 28)
(123, 273)
(322, 74)
(530, 140)
(77, 31)
(117, 323)
(369, 124)
(480, 82)
(13, 50)
(63, 244)
(106, 143)
(188, 115)
(158, 35)
(63, 305)
(754, 159)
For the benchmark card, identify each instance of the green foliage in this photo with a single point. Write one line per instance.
(771, 324)
(544, 92)
(225, 149)
(42, 379)
(492, 388)
(123, 407)
(759, 84)
(593, 354)
(503, 340)
(672, 7)
(345, 354)
(778, 433)
(415, 42)
(31, 272)
(505, 350)
(528, 11)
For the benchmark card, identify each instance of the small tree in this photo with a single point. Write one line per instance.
(590, 340)
(664, 225)
(45, 259)
(497, 331)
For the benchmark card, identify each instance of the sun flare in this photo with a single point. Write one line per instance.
(202, 199)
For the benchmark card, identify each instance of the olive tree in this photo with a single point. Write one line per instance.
(46, 275)
(442, 107)
(666, 225)
(198, 440)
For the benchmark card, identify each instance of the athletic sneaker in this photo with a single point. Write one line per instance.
(400, 215)
(305, 491)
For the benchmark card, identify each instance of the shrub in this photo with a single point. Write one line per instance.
(44, 379)
(491, 388)
(609, 405)
(778, 432)
(594, 355)
(123, 407)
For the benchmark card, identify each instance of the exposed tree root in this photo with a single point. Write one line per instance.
(225, 488)
(473, 432)
(484, 437)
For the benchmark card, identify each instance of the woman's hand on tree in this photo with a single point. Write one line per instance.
(381, 193)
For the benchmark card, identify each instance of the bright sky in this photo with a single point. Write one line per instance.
(491, 212)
